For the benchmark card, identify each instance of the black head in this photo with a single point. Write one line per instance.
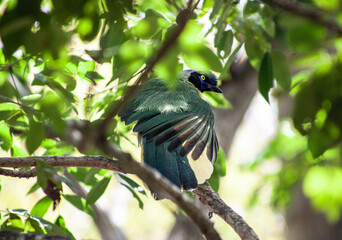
(201, 81)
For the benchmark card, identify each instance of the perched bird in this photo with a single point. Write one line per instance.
(176, 128)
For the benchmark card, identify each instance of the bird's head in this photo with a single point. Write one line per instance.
(203, 82)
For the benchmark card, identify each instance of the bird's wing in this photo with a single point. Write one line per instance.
(176, 125)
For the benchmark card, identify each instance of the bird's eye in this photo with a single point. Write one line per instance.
(203, 77)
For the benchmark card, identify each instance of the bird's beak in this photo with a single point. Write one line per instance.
(215, 89)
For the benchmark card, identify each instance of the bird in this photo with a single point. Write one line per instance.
(175, 128)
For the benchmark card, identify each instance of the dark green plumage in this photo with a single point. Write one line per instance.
(176, 128)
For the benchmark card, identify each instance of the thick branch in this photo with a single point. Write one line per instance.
(212, 200)
(314, 15)
(57, 161)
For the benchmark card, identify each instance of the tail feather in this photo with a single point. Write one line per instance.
(170, 164)
(187, 175)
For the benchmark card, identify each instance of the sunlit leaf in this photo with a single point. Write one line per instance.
(6, 139)
(61, 223)
(9, 106)
(32, 98)
(41, 207)
(17, 151)
(169, 67)
(324, 185)
(216, 100)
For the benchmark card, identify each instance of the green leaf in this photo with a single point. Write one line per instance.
(250, 8)
(80, 203)
(90, 178)
(230, 60)
(323, 184)
(201, 58)
(97, 190)
(35, 136)
(254, 51)
(267, 22)
(224, 43)
(94, 76)
(9, 106)
(281, 69)
(52, 106)
(75, 201)
(17, 151)
(330, 5)
(19, 211)
(133, 184)
(216, 100)
(221, 163)
(265, 77)
(34, 188)
(32, 98)
(168, 67)
(6, 139)
(113, 37)
(99, 56)
(48, 226)
(41, 207)
(214, 181)
(135, 195)
(61, 223)
(86, 66)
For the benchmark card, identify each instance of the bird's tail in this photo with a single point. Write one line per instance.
(170, 164)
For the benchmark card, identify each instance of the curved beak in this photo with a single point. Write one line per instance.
(215, 89)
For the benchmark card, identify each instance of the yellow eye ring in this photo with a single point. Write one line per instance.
(203, 77)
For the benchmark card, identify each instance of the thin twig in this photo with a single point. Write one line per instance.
(10, 65)
(314, 15)
(18, 173)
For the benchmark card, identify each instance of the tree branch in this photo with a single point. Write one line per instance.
(57, 161)
(127, 164)
(314, 15)
(212, 200)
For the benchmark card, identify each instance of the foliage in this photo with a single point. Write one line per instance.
(44, 82)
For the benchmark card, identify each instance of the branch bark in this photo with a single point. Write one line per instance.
(213, 201)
